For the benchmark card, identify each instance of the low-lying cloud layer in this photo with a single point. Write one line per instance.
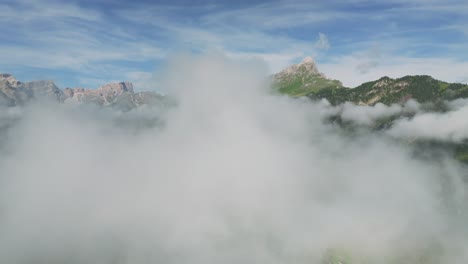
(451, 126)
(232, 174)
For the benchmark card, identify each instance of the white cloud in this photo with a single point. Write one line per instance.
(322, 42)
(451, 126)
(369, 60)
(143, 81)
(347, 69)
(279, 15)
(275, 61)
(368, 115)
(34, 11)
(232, 174)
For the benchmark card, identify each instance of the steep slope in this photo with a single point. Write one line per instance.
(302, 79)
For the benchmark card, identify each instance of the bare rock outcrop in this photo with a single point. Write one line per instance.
(12, 91)
(10, 80)
(117, 94)
(104, 95)
(45, 89)
(306, 68)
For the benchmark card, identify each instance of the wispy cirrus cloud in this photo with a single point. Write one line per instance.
(277, 15)
(32, 11)
(62, 40)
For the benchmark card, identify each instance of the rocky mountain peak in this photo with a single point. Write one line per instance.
(306, 68)
(302, 78)
(116, 88)
(12, 91)
(10, 79)
(4, 76)
(308, 60)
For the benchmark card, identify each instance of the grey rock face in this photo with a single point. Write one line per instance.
(45, 89)
(119, 94)
(8, 78)
(306, 68)
(104, 95)
(12, 91)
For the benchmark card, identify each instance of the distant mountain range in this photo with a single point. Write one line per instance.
(298, 80)
(304, 79)
(118, 94)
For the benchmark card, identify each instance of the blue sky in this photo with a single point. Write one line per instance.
(88, 43)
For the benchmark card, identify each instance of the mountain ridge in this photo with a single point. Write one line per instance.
(386, 90)
(117, 94)
(298, 80)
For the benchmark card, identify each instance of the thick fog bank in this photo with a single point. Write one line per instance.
(232, 174)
